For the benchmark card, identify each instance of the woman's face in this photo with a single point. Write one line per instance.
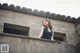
(45, 22)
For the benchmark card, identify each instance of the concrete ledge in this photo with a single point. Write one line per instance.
(24, 44)
(26, 37)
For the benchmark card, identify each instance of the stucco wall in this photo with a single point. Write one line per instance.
(21, 44)
(35, 23)
(78, 29)
(78, 39)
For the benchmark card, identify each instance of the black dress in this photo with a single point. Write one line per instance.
(46, 34)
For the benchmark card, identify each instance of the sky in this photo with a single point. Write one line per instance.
(63, 7)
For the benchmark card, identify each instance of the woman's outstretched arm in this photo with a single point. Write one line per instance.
(52, 38)
(41, 32)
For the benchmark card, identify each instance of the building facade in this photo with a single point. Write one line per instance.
(20, 28)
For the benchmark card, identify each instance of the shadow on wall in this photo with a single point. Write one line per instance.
(78, 47)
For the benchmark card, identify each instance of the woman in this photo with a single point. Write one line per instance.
(47, 30)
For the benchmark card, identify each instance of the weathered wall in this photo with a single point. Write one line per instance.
(78, 29)
(78, 40)
(35, 23)
(21, 44)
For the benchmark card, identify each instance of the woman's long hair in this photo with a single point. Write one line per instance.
(49, 24)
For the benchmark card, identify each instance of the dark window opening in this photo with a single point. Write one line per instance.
(60, 36)
(15, 29)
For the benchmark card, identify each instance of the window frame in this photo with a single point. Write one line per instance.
(16, 27)
(60, 35)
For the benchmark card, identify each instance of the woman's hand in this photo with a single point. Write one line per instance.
(52, 39)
